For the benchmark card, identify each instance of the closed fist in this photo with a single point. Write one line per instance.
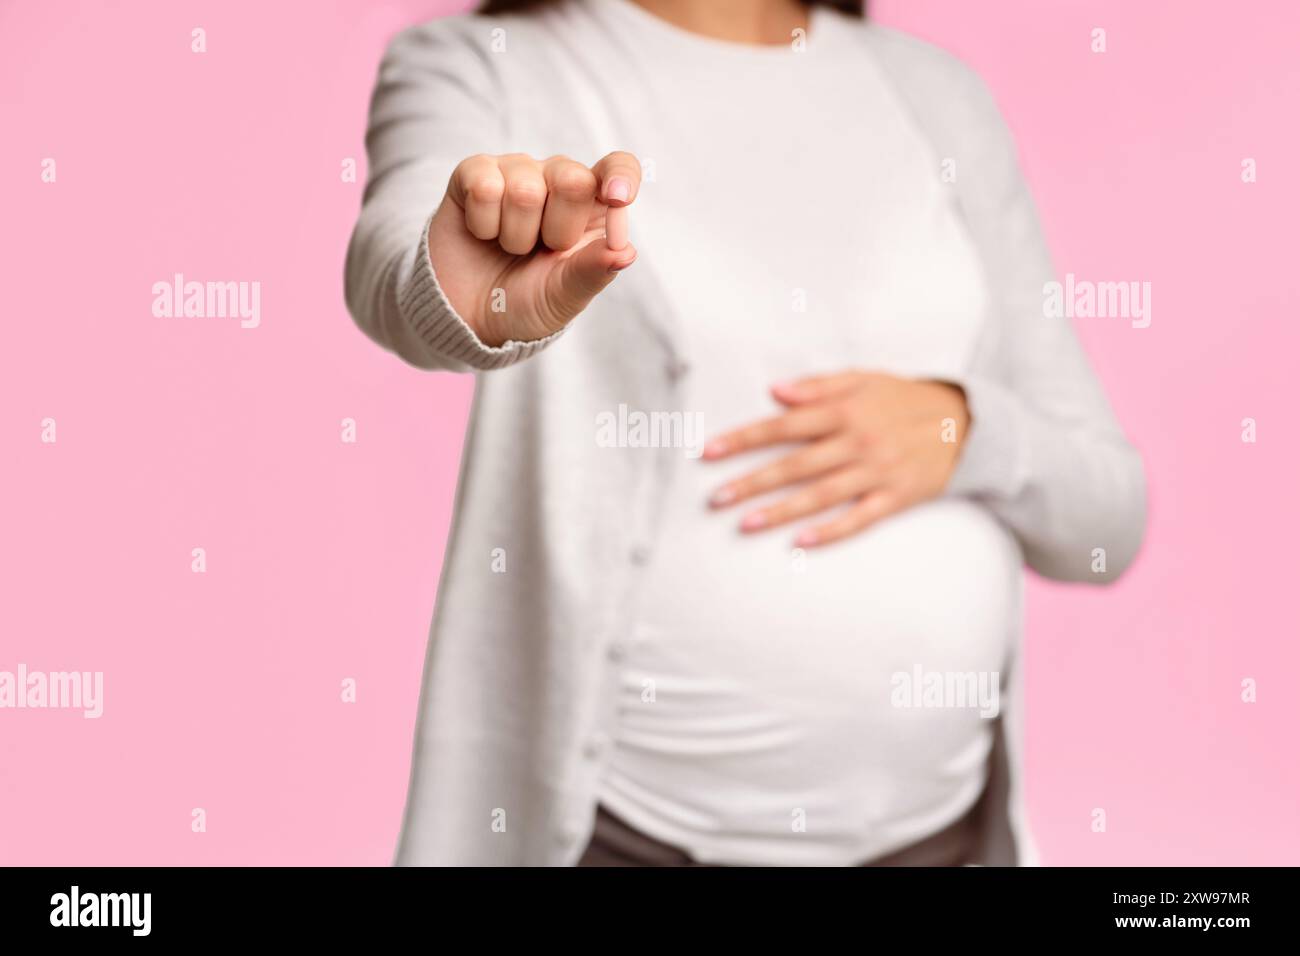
(521, 246)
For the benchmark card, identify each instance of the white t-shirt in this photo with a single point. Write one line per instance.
(761, 718)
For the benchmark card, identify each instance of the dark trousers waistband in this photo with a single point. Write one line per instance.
(616, 843)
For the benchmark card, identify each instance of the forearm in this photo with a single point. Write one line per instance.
(1073, 492)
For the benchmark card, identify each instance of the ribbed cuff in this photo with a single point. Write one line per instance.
(424, 306)
(994, 458)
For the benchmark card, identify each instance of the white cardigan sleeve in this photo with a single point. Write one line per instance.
(1044, 450)
(435, 103)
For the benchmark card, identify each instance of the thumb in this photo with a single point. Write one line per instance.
(578, 279)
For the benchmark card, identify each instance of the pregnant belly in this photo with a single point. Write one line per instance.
(856, 679)
(937, 585)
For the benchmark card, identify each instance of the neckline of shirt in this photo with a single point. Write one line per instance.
(646, 26)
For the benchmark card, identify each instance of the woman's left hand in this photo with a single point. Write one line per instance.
(879, 442)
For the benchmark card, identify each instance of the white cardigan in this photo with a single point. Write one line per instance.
(522, 666)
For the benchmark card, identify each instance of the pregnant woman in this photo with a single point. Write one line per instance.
(796, 641)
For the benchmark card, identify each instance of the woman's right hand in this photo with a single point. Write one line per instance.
(519, 245)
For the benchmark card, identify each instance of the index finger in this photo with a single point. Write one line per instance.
(619, 178)
(818, 388)
(800, 424)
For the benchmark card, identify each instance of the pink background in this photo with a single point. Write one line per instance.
(222, 690)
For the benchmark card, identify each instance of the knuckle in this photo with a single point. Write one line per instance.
(839, 488)
(485, 189)
(853, 411)
(526, 193)
(806, 463)
(627, 159)
(516, 246)
(852, 487)
(761, 481)
(833, 416)
(878, 506)
(864, 477)
(556, 238)
(832, 530)
(479, 229)
(808, 501)
(575, 183)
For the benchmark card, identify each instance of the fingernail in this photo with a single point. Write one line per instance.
(806, 538)
(787, 388)
(618, 189)
(715, 448)
(752, 522)
(723, 496)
